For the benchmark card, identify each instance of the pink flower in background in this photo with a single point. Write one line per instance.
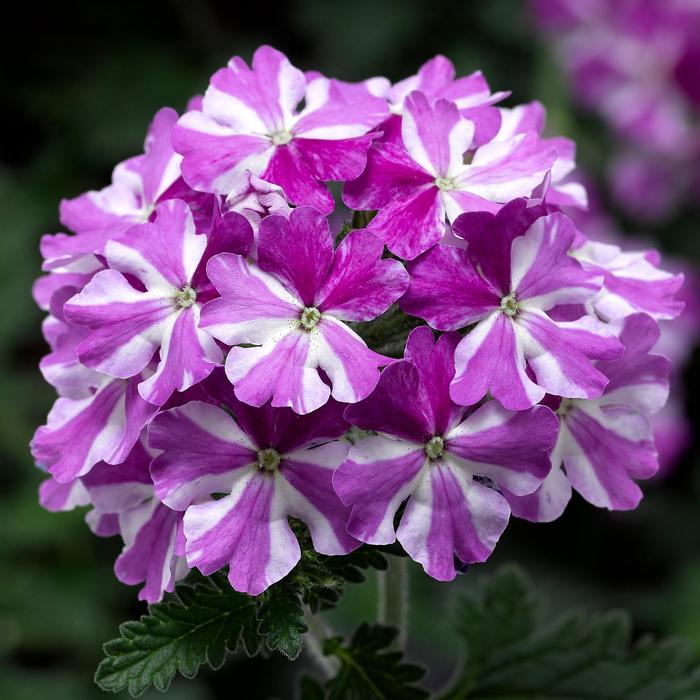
(442, 458)
(633, 63)
(250, 120)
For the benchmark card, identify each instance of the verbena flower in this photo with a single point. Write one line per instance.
(129, 324)
(213, 335)
(291, 306)
(606, 444)
(446, 460)
(251, 120)
(516, 267)
(422, 183)
(264, 466)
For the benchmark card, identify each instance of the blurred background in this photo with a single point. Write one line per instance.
(81, 82)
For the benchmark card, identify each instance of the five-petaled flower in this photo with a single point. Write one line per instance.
(516, 266)
(291, 305)
(446, 460)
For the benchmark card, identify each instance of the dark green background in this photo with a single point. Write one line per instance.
(80, 83)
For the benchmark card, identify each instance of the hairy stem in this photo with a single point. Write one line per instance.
(394, 595)
(319, 630)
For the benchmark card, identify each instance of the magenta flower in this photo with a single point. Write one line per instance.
(123, 504)
(138, 184)
(291, 306)
(250, 120)
(515, 268)
(129, 324)
(103, 426)
(271, 464)
(441, 457)
(632, 282)
(416, 186)
(605, 445)
(436, 80)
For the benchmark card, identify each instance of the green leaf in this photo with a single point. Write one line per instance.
(370, 669)
(511, 653)
(206, 619)
(317, 581)
(199, 625)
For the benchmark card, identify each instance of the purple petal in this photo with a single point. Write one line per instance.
(310, 496)
(399, 406)
(451, 516)
(560, 354)
(604, 450)
(56, 496)
(281, 370)
(391, 174)
(297, 251)
(253, 306)
(491, 358)
(378, 476)
(149, 533)
(436, 367)
(294, 173)
(510, 447)
(248, 531)
(638, 378)
(103, 427)
(360, 285)
(436, 137)
(547, 503)
(447, 290)
(202, 449)
(542, 271)
(412, 224)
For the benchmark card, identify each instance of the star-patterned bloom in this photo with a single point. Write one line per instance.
(251, 120)
(606, 444)
(129, 324)
(266, 465)
(424, 182)
(516, 267)
(292, 306)
(448, 461)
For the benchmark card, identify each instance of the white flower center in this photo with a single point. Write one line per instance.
(281, 137)
(268, 459)
(185, 297)
(509, 305)
(446, 183)
(309, 318)
(434, 447)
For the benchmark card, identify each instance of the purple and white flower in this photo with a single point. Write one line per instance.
(149, 301)
(103, 426)
(291, 305)
(605, 445)
(419, 185)
(632, 283)
(446, 460)
(138, 184)
(250, 120)
(515, 268)
(269, 464)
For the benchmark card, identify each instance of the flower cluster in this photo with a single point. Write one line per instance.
(207, 331)
(636, 63)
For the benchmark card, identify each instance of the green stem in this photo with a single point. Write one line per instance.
(318, 631)
(394, 595)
